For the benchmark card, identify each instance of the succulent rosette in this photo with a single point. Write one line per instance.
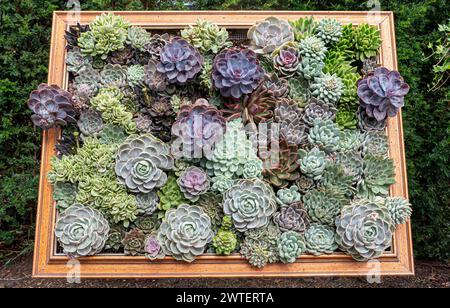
(193, 183)
(236, 72)
(152, 248)
(382, 93)
(286, 59)
(292, 218)
(320, 239)
(269, 34)
(291, 245)
(179, 61)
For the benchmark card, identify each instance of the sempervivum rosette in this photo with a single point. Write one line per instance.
(193, 182)
(286, 59)
(185, 232)
(269, 34)
(82, 231)
(292, 217)
(141, 162)
(236, 72)
(251, 203)
(382, 93)
(51, 106)
(198, 126)
(179, 61)
(364, 229)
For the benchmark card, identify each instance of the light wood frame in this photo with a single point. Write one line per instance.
(48, 264)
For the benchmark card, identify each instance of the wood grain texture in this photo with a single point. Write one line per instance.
(48, 264)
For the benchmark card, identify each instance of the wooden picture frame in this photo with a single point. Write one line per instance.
(48, 264)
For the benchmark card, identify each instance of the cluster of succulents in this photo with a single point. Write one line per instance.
(190, 143)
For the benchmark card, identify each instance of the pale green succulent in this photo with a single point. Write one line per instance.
(328, 88)
(225, 241)
(81, 231)
(378, 176)
(90, 123)
(399, 208)
(325, 135)
(112, 134)
(231, 153)
(364, 229)
(375, 143)
(77, 62)
(323, 206)
(329, 30)
(303, 27)
(176, 102)
(205, 75)
(253, 169)
(352, 163)
(367, 41)
(251, 203)
(313, 163)
(291, 245)
(64, 194)
(335, 178)
(170, 196)
(346, 119)
(221, 184)
(108, 102)
(349, 141)
(185, 232)
(313, 47)
(108, 32)
(114, 75)
(135, 75)
(299, 91)
(206, 36)
(141, 163)
(310, 68)
(320, 239)
(138, 37)
(288, 196)
(147, 203)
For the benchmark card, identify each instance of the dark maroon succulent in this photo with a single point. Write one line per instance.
(382, 93)
(51, 106)
(179, 61)
(236, 72)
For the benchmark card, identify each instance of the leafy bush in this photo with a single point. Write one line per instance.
(24, 40)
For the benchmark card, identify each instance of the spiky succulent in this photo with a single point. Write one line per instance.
(251, 204)
(374, 143)
(319, 110)
(198, 127)
(328, 88)
(152, 248)
(324, 135)
(299, 91)
(349, 140)
(320, 239)
(292, 218)
(286, 59)
(170, 196)
(147, 203)
(133, 242)
(138, 38)
(108, 33)
(81, 231)
(346, 119)
(225, 241)
(206, 36)
(90, 122)
(286, 196)
(378, 176)
(352, 163)
(366, 41)
(399, 209)
(77, 62)
(141, 163)
(382, 93)
(323, 206)
(267, 35)
(236, 72)
(51, 106)
(291, 245)
(289, 116)
(313, 47)
(303, 27)
(193, 183)
(211, 203)
(73, 34)
(313, 163)
(185, 232)
(335, 178)
(179, 61)
(364, 229)
(329, 30)
(310, 68)
(64, 194)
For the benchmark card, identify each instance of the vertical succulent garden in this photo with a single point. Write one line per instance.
(188, 143)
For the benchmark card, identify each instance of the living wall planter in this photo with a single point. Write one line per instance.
(48, 263)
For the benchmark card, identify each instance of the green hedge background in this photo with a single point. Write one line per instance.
(25, 27)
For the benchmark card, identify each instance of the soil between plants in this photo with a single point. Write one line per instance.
(428, 275)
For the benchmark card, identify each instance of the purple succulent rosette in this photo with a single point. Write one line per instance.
(236, 72)
(179, 61)
(153, 248)
(194, 182)
(382, 93)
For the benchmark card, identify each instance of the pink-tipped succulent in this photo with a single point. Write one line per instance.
(193, 182)
(382, 93)
(236, 72)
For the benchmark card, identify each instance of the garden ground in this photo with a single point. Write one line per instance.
(428, 275)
